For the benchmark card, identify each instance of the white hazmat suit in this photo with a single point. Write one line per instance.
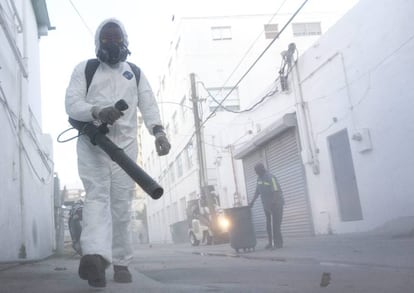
(109, 190)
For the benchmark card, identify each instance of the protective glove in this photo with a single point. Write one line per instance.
(107, 115)
(162, 145)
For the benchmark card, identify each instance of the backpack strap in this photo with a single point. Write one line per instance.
(137, 72)
(90, 69)
(92, 66)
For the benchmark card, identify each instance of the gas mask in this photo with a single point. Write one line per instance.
(112, 53)
(112, 48)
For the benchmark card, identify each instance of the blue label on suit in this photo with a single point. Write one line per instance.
(128, 75)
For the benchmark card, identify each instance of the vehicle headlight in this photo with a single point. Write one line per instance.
(224, 223)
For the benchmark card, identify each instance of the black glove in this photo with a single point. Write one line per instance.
(162, 145)
(108, 115)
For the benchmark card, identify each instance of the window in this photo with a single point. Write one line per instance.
(216, 95)
(174, 123)
(169, 66)
(179, 166)
(171, 172)
(175, 212)
(183, 206)
(177, 47)
(164, 177)
(189, 156)
(271, 30)
(184, 109)
(152, 158)
(167, 131)
(221, 33)
(177, 44)
(163, 84)
(306, 29)
(169, 216)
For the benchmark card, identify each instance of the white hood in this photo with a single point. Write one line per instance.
(99, 29)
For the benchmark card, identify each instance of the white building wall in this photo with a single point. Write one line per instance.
(26, 166)
(360, 75)
(213, 62)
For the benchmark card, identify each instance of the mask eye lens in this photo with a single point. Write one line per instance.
(111, 34)
(112, 40)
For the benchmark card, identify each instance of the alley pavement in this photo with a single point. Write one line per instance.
(390, 247)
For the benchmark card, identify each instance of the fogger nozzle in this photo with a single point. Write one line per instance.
(148, 184)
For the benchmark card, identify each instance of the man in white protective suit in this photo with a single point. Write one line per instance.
(105, 237)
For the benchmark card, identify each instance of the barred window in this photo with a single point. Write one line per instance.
(306, 29)
(220, 33)
(271, 30)
(216, 95)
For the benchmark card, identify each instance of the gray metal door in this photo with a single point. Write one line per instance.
(284, 161)
(344, 174)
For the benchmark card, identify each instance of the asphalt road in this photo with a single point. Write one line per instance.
(183, 269)
(186, 271)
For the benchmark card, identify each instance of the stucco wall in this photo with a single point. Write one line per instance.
(26, 163)
(359, 75)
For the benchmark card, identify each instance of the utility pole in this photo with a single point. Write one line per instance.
(198, 134)
(205, 190)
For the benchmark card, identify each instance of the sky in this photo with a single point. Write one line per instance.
(150, 30)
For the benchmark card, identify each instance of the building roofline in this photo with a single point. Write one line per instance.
(42, 17)
(287, 121)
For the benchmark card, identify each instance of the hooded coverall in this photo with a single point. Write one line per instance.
(109, 190)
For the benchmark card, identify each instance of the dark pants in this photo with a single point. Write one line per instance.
(274, 217)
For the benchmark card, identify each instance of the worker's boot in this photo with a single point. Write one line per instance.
(92, 268)
(122, 274)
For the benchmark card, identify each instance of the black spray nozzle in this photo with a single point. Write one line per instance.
(97, 137)
(121, 105)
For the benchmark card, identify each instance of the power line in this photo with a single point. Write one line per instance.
(250, 68)
(251, 46)
(81, 18)
(262, 99)
(14, 121)
(254, 63)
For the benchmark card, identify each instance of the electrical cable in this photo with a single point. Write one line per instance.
(250, 68)
(250, 48)
(13, 119)
(367, 90)
(7, 16)
(255, 62)
(262, 99)
(69, 139)
(367, 73)
(81, 18)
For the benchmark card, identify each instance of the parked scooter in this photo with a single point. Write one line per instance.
(75, 225)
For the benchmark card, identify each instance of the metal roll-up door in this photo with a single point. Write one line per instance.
(284, 161)
(250, 176)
